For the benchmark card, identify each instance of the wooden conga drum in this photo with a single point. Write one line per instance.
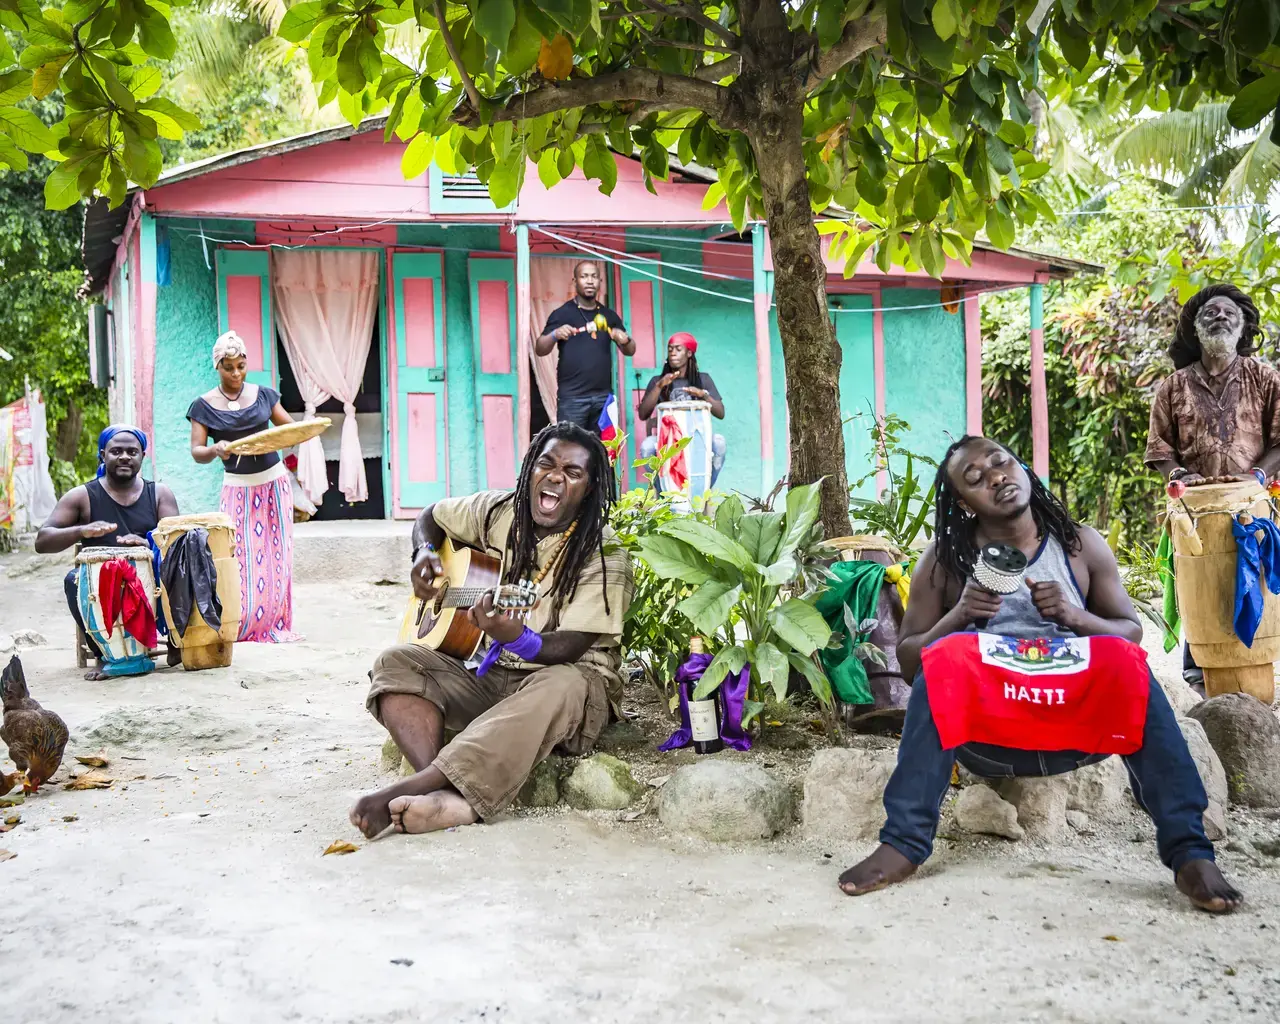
(122, 653)
(1205, 569)
(202, 646)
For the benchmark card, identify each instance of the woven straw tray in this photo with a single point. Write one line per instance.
(273, 439)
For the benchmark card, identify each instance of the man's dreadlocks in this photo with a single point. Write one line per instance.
(1185, 349)
(954, 529)
(522, 539)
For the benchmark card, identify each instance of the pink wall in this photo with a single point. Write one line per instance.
(423, 467)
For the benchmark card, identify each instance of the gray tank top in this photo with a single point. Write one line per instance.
(1018, 616)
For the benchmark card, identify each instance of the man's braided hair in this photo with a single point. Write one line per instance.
(954, 529)
(522, 539)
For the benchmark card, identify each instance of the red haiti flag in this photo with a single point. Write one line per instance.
(1079, 693)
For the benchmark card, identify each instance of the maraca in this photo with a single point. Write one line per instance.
(1176, 489)
(601, 323)
(1273, 489)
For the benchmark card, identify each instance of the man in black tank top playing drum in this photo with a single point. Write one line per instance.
(116, 509)
(1071, 590)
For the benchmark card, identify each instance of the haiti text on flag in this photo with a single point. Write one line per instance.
(1078, 693)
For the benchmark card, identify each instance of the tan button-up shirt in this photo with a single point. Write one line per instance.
(1216, 435)
(463, 519)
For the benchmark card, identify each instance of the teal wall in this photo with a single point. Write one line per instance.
(856, 334)
(186, 328)
(924, 369)
(459, 243)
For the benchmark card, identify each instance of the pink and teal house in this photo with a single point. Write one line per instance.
(450, 395)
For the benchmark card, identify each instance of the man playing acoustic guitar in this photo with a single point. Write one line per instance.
(544, 683)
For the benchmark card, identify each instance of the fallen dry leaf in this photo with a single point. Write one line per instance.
(555, 58)
(7, 855)
(338, 846)
(6, 828)
(7, 782)
(92, 761)
(90, 780)
(71, 817)
(13, 819)
(11, 801)
(1112, 938)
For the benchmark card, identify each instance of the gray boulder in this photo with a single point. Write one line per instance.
(601, 783)
(980, 809)
(844, 793)
(725, 801)
(1211, 775)
(1100, 790)
(542, 787)
(1041, 803)
(1246, 736)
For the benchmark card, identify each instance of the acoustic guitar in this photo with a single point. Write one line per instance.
(441, 622)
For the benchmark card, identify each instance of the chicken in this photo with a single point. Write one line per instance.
(36, 737)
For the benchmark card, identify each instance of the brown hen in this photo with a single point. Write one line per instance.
(36, 737)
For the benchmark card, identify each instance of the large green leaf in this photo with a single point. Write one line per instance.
(11, 155)
(599, 164)
(301, 20)
(494, 21)
(759, 533)
(772, 668)
(673, 559)
(728, 514)
(14, 86)
(1255, 101)
(729, 659)
(524, 44)
(708, 607)
(802, 512)
(26, 130)
(711, 542)
(800, 625)
(818, 681)
(61, 189)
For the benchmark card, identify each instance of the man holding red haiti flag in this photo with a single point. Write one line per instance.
(1055, 679)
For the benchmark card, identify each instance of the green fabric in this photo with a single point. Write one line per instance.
(1173, 621)
(857, 587)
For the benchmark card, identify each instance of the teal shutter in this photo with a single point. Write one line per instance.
(244, 306)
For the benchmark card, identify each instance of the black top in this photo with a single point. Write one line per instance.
(680, 387)
(140, 518)
(586, 362)
(225, 425)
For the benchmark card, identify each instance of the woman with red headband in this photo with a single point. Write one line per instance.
(680, 381)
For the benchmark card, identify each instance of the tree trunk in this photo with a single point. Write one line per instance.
(809, 347)
(67, 445)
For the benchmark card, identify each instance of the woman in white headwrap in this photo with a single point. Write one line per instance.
(256, 492)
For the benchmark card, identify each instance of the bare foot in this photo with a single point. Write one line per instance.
(430, 813)
(884, 867)
(370, 814)
(95, 674)
(1202, 883)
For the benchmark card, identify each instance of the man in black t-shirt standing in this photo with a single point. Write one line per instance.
(585, 372)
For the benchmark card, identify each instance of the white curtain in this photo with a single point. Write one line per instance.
(326, 301)
(551, 285)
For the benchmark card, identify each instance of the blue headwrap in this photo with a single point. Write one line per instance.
(105, 438)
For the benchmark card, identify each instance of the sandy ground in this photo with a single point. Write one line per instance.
(194, 890)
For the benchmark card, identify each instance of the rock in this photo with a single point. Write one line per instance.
(25, 639)
(1212, 776)
(1041, 803)
(621, 736)
(1079, 821)
(725, 801)
(980, 809)
(1100, 790)
(391, 756)
(1246, 736)
(844, 791)
(601, 783)
(1246, 849)
(1180, 695)
(542, 787)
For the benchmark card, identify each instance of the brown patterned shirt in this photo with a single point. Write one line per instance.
(1212, 435)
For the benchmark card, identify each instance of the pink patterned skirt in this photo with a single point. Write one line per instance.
(261, 507)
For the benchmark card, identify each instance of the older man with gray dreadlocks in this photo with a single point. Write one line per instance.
(544, 684)
(1218, 415)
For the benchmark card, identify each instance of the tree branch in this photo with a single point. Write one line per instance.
(473, 94)
(696, 16)
(720, 69)
(859, 37)
(639, 84)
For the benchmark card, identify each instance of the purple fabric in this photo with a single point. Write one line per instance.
(526, 647)
(731, 693)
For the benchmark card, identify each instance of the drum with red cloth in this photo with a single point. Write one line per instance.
(116, 591)
(690, 471)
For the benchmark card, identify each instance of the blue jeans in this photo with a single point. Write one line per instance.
(584, 410)
(1162, 775)
(649, 448)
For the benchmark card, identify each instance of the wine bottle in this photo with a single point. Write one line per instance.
(704, 715)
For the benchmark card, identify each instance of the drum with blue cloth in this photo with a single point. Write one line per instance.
(689, 473)
(122, 653)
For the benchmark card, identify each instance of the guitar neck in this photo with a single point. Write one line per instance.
(463, 597)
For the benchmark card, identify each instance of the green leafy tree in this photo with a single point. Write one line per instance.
(910, 114)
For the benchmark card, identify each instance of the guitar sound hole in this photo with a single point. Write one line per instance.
(438, 606)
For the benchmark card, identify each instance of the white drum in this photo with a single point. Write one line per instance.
(689, 472)
(122, 653)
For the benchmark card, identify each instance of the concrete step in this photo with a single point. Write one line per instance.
(367, 551)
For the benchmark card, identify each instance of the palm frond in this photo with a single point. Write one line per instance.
(1205, 182)
(1174, 143)
(1254, 177)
